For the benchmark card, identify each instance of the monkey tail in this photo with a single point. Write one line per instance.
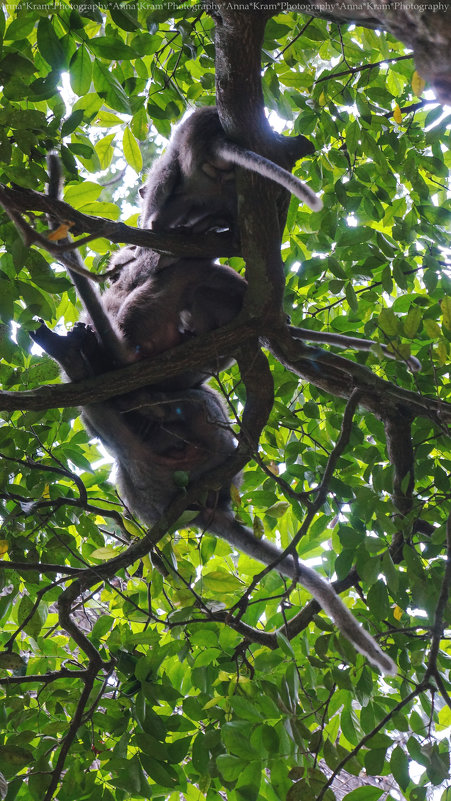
(225, 526)
(266, 168)
(324, 593)
(108, 336)
(343, 341)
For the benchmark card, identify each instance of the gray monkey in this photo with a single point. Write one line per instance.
(192, 184)
(154, 307)
(154, 435)
(157, 302)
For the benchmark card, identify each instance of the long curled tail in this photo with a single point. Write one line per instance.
(343, 341)
(266, 168)
(225, 526)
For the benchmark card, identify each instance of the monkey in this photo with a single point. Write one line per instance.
(153, 435)
(154, 308)
(192, 185)
(155, 303)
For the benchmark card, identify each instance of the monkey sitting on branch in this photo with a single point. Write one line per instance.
(157, 302)
(192, 185)
(155, 436)
(154, 307)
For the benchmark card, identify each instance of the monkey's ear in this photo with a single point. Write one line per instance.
(142, 190)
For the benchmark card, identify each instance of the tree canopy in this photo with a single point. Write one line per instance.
(177, 667)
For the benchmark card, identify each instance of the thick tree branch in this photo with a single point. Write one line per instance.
(328, 371)
(338, 376)
(208, 245)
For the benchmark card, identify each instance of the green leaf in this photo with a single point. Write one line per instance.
(110, 89)
(108, 210)
(80, 70)
(230, 766)
(355, 236)
(132, 152)
(378, 600)
(11, 661)
(139, 125)
(15, 756)
(388, 322)
(161, 773)
(103, 625)
(278, 509)
(104, 553)
(34, 625)
(245, 709)
(375, 761)
(412, 322)
(366, 793)
(352, 136)
(220, 581)
(111, 47)
(432, 329)
(16, 64)
(399, 765)
(351, 297)
(284, 644)
(124, 18)
(72, 123)
(49, 44)
(78, 195)
(20, 27)
(105, 150)
(151, 746)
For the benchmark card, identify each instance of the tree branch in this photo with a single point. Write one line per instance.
(180, 243)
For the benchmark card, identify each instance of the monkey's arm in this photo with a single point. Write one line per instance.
(342, 341)
(227, 528)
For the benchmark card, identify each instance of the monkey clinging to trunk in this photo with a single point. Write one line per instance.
(192, 184)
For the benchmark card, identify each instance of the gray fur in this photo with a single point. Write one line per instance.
(192, 184)
(153, 308)
(150, 308)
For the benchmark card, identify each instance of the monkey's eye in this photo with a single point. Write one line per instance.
(178, 411)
